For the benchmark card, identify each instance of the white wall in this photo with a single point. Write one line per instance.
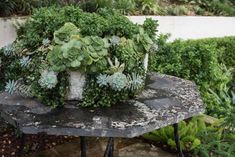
(192, 27)
(185, 27)
(8, 30)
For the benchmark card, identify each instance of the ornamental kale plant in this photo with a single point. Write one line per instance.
(104, 46)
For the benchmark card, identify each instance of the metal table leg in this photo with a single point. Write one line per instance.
(83, 146)
(22, 145)
(110, 148)
(177, 140)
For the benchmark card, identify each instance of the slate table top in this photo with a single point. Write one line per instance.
(166, 100)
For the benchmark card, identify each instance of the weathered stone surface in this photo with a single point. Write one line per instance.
(166, 100)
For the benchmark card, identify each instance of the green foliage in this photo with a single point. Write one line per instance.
(208, 62)
(216, 142)
(6, 7)
(123, 6)
(177, 10)
(198, 138)
(150, 27)
(147, 7)
(201, 61)
(65, 33)
(93, 91)
(215, 7)
(188, 134)
(26, 7)
(45, 22)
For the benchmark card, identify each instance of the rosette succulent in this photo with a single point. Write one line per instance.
(114, 40)
(64, 34)
(46, 42)
(48, 79)
(103, 80)
(8, 50)
(136, 81)
(11, 86)
(24, 62)
(118, 81)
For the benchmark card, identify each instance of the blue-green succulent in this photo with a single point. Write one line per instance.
(114, 40)
(135, 81)
(103, 80)
(46, 42)
(24, 62)
(8, 50)
(11, 86)
(153, 48)
(48, 79)
(118, 81)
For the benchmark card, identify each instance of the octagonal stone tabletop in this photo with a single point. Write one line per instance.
(164, 101)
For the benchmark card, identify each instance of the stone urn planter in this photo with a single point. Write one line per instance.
(77, 82)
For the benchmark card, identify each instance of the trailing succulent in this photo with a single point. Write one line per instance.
(110, 50)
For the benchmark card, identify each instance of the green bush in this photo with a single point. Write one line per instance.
(26, 7)
(202, 61)
(48, 22)
(123, 6)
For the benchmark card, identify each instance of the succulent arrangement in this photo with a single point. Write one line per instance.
(113, 58)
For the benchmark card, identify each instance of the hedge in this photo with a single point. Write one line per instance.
(209, 62)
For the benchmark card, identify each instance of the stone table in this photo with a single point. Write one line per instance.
(166, 100)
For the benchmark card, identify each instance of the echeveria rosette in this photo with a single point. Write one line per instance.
(136, 81)
(118, 81)
(48, 79)
(11, 86)
(46, 42)
(114, 40)
(24, 61)
(8, 50)
(103, 80)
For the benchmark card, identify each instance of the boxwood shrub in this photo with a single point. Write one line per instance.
(209, 62)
